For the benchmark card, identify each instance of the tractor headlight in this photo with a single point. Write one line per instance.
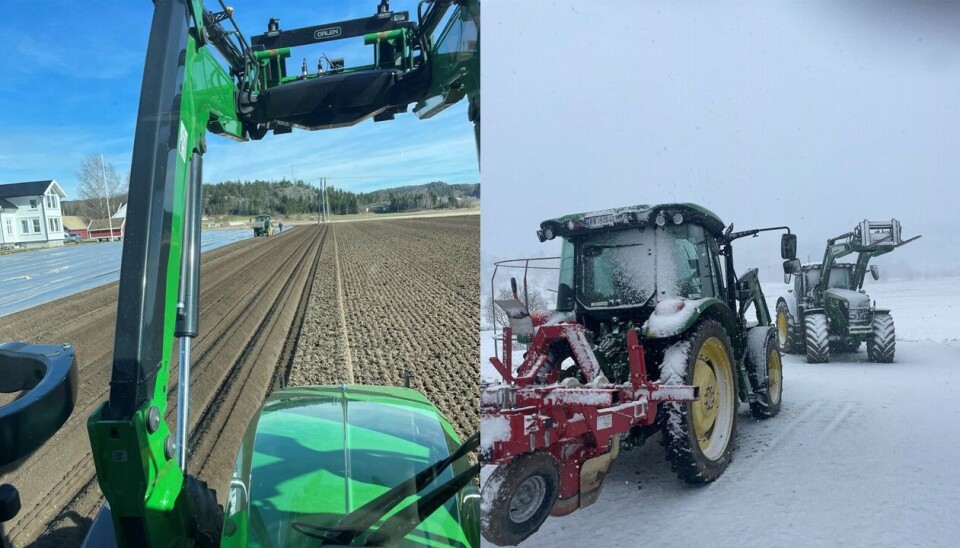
(661, 220)
(677, 218)
(548, 233)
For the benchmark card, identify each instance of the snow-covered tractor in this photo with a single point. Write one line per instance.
(827, 309)
(650, 334)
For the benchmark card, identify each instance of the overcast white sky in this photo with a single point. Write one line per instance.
(811, 114)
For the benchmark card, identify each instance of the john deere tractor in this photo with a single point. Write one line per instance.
(828, 310)
(262, 226)
(652, 332)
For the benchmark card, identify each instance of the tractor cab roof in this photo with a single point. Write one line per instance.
(625, 217)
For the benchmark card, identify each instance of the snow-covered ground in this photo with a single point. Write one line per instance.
(862, 454)
(35, 277)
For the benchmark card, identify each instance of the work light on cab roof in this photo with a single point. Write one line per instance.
(623, 217)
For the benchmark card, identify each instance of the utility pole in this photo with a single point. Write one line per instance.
(322, 201)
(326, 202)
(106, 192)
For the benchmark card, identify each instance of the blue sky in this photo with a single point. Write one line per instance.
(71, 83)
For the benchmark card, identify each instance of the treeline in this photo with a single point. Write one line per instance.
(284, 197)
(246, 198)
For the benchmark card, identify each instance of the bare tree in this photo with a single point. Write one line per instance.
(100, 186)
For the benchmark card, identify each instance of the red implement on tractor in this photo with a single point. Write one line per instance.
(649, 334)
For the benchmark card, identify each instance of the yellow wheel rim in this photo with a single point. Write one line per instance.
(712, 413)
(782, 327)
(774, 376)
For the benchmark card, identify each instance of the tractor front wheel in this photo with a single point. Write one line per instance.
(817, 338)
(767, 374)
(786, 329)
(883, 344)
(698, 435)
(206, 514)
(517, 498)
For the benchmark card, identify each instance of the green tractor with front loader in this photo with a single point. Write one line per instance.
(262, 226)
(653, 332)
(828, 310)
(325, 465)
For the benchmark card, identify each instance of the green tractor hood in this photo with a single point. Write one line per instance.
(316, 454)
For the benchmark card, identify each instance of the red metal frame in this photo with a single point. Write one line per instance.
(532, 412)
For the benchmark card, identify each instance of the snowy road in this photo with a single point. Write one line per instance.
(862, 454)
(36, 277)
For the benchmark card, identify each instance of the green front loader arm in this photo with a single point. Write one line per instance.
(184, 90)
(865, 245)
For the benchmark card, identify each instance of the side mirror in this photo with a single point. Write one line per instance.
(788, 246)
(513, 288)
(875, 272)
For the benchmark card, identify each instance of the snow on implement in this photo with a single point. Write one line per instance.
(828, 308)
(649, 334)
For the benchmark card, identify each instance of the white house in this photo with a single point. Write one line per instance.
(30, 214)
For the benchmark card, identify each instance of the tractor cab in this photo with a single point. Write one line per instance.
(841, 277)
(649, 331)
(622, 263)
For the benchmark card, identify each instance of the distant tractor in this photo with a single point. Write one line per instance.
(262, 226)
(651, 333)
(827, 309)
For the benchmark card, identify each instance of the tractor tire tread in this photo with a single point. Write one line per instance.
(764, 407)
(206, 515)
(495, 524)
(882, 346)
(794, 344)
(816, 338)
(677, 426)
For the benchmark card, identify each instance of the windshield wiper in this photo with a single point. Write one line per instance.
(360, 520)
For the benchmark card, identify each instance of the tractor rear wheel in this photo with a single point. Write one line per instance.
(771, 383)
(883, 344)
(698, 435)
(517, 498)
(817, 338)
(787, 329)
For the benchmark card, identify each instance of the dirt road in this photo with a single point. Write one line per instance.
(364, 301)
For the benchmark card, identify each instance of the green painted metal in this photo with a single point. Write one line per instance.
(134, 473)
(265, 55)
(350, 443)
(455, 62)
(376, 37)
(142, 485)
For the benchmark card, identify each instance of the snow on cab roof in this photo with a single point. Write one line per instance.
(632, 215)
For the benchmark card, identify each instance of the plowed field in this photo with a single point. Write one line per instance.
(394, 298)
(353, 302)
